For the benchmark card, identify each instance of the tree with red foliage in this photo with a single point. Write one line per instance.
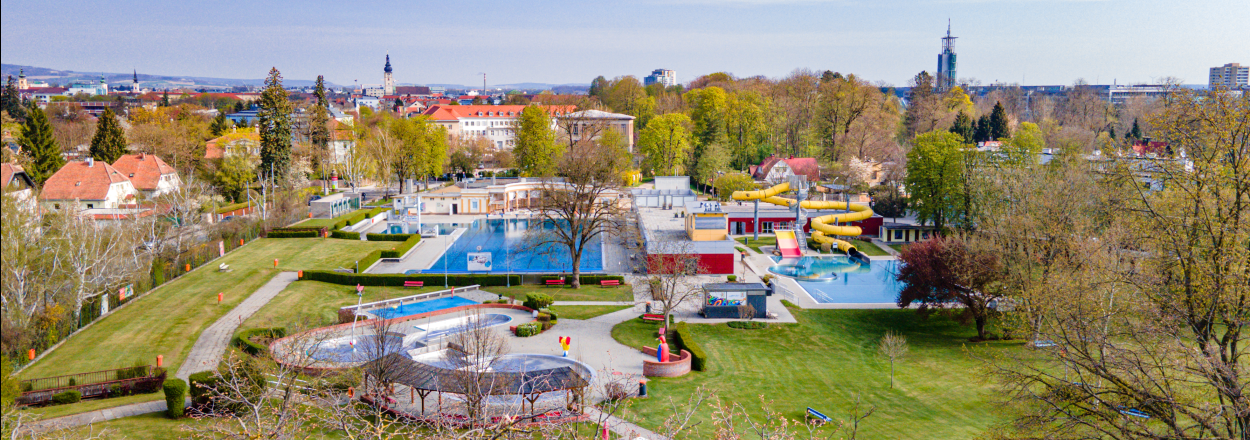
(950, 273)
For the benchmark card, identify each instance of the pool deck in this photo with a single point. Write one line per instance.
(427, 252)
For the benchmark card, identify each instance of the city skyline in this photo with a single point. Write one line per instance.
(1022, 41)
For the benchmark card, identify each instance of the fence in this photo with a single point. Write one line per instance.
(121, 381)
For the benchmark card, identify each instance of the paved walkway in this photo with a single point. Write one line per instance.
(625, 429)
(209, 348)
(593, 303)
(97, 416)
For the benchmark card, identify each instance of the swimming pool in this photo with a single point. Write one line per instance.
(841, 279)
(511, 249)
(418, 308)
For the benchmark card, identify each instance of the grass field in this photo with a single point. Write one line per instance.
(586, 293)
(168, 320)
(315, 304)
(765, 240)
(585, 312)
(826, 359)
(869, 248)
(899, 247)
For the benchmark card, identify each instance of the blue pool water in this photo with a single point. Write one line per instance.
(418, 308)
(841, 279)
(512, 250)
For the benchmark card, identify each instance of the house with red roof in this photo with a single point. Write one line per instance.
(493, 122)
(150, 175)
(17, 184)
(775, 169)
(87, 184)
(244, 142)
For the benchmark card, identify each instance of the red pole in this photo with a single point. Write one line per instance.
(275, 262)
(240, 242)
(605, 431)
(219, 294)
(30, 355)
(188, 267)
(160, 360)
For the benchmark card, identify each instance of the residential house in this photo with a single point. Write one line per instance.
(18, 184)
(150, 175)
(775, 169)
(88, 184)
(240, 142)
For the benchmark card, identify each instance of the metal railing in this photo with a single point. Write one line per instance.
(411, 298)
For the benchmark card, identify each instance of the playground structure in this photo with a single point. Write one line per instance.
(825, 227)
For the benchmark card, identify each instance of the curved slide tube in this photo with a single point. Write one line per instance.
(823, 225)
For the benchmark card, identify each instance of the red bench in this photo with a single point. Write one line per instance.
(555, 282)
(652, 317)
(606, 283)
(414, 283)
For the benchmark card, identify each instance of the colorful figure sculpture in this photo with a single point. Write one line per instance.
(565, 342)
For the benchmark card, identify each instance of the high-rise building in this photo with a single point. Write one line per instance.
(1230, 76)
(946, 61)
(661, 76)
(388, 81)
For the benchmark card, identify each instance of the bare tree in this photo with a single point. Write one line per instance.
(672, 279)
(893, 346)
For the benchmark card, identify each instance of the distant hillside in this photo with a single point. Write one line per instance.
(64, 77)
(558, 88)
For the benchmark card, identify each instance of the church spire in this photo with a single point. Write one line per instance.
(388, 63)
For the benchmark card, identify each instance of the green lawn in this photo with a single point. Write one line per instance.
(585, 312)
(869, 248)
(765, 240)
(307, 304)
(167, 321)
(825, 359)
(899, 247)
(586, 293)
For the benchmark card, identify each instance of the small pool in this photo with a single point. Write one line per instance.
(418, 308)
(841, 279)
(360, 348)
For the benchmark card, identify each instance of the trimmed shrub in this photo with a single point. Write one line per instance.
(228, 208)
(538, 301)
(528, 329)
(698, 359)
(403, 248)
(732, 278)
(554, 316)
(747, 325)
(397, 279)
(200, 384)
(367, 261)
(302, 233)
(391, 237)
(243, 339)
(547, 325)
(65, 397)
(344, 234)
(175, 397)
(116, 390)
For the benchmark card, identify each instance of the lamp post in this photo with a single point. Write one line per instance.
(360, 295)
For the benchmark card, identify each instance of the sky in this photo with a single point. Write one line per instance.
(1032, 42)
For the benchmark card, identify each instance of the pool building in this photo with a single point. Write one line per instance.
(698, 229)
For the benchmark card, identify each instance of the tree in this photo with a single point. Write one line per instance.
(109, 143)
(12, 100)
(1135, 133)
(951, 273)
(999, 128)
(965, 128)
(585, 205)
(1023, 148)
(598, 87)
(888, 201)
(468, 153)
(672, 279)
(274, 118)
(893, 346)
(536, 153)
(37, 141)
(235, 176)
(934, 171)
(165, 99)
(728, 183)
(319, 127)
(746, 129)
(219, 125)
(982, 133)
(924, 108)
(665, 143)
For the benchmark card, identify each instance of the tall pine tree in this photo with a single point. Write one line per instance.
(274, 120)
(983, 129)
(1135, 133)
(37, 141)
(999, 128)
(109, 143)
(964, 128)
(165, 99)
(319, 131)
(219, 125)
(12, 100)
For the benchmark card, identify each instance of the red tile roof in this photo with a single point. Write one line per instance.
(76, 180)
(7, 171)
(1150, 147)
(144, 170)
(805, 166)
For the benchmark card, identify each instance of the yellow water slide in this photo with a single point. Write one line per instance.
(824, 225)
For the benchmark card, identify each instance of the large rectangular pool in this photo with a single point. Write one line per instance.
(510, 243)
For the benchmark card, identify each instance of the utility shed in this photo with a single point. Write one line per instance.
(723, 300)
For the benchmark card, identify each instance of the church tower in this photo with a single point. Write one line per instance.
(22, 84)
(388, 81)
(134, 83)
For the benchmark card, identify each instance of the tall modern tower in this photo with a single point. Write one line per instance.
(388, 81)
(946, 61)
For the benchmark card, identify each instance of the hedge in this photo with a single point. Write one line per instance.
(344, 234)
(391, 237)
(403, 248)
(369, 259)
(528, 329)
(200, 384)
(232, 207)
(175, 397)
(698, 359)
(588, 279)
(397, 279)
(538, 301)
(65, 397)
(304, 233)
(243, 339)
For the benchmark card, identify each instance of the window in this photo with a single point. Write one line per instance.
(898, 235)
(766, 227)
(90, 205)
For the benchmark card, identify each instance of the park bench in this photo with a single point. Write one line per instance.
(555, 282)
(414, 283)
(817, 417)
(652, 317)
(606, 283)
